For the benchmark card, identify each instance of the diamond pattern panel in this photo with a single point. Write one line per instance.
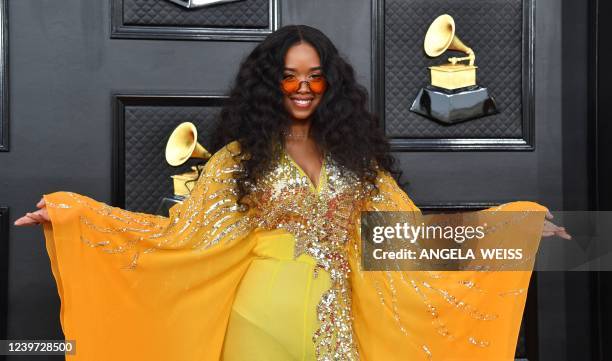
(241, 14)
(493, 28)
(147, 128)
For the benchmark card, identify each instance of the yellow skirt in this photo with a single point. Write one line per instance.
(274, 314)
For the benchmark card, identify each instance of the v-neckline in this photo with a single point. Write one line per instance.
(322, 172)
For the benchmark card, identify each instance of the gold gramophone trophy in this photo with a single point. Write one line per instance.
(453, 95)
(182, 146)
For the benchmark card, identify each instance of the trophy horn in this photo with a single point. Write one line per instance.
(441, 37)
(183, 145)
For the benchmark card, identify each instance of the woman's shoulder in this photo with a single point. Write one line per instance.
(232, 147)
(228, 156)
(229, 150)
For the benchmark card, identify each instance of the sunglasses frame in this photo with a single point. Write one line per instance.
(295, 88)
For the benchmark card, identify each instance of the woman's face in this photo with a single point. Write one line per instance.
(302, 63)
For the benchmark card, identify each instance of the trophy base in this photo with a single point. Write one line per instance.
(454, 106)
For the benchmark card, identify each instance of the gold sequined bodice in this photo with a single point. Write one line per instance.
(320, 218)
(317, 216)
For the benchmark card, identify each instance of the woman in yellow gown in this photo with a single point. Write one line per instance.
(263, 260)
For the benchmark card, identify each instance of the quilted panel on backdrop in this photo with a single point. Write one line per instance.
(493, 28)
(147, 128)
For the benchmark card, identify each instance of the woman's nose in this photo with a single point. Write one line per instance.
(304, 87)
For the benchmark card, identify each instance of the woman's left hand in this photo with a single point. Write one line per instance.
(551, 229)
(34, 218)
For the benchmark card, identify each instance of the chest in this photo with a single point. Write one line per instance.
(320, 217)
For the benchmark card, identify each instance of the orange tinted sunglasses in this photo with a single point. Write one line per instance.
(291, 84)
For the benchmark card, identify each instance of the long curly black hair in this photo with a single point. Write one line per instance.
(341, 125)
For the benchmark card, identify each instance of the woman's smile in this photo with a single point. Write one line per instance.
(302, 102)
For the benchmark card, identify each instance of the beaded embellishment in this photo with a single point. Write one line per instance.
(321, 219)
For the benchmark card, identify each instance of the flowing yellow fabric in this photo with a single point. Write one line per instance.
(208, 283)
(455, 316)
(174, 305)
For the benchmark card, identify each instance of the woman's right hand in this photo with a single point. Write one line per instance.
(34, 218)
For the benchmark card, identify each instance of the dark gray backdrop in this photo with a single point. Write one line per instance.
(64, 67)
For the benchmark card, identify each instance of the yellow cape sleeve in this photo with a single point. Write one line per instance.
(136, 286)
(426, 315)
